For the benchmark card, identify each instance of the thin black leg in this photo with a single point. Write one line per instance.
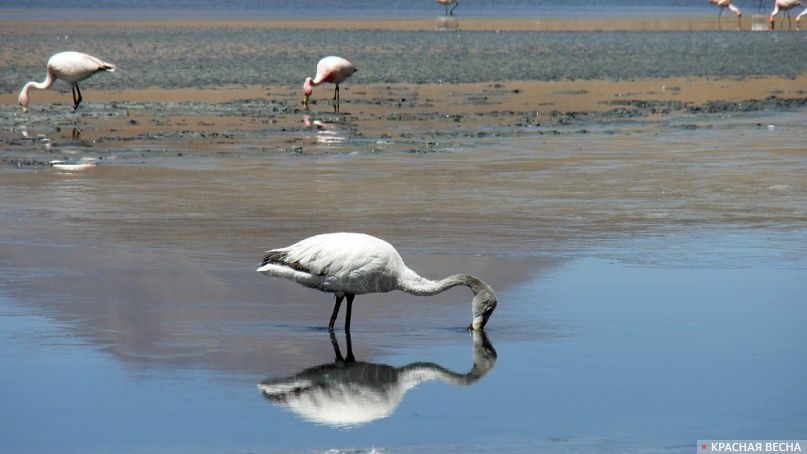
(335, 311)
(347, 314)
(76, 100)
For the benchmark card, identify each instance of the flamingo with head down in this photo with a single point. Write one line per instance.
(71, 67)
(350, 264)
(726, 4)
(332, 70)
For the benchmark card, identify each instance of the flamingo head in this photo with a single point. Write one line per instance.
(23, 100)
(307, 90)
(483, 305)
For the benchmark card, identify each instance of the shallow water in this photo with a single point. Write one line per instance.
(646, 240)
(650, 287)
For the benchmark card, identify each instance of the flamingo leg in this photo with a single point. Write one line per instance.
(76, 100)
(788, 19)
(336, 305)
(451, 13)
(347, 314)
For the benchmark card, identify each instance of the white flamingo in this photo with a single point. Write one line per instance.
(350, 264)
(786, 6)
(332, 70)
(726, 4)
(71, 67)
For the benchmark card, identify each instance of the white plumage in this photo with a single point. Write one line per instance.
(333, 70)
(71, 67)
(349, 264)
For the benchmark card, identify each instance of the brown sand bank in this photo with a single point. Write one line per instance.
(377, 111)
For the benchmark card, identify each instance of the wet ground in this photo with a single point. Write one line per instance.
(646, 236)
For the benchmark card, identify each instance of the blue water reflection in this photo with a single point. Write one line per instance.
(349, 393)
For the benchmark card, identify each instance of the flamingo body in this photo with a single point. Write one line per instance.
(334, 70)
(71, 67)
(349, 264)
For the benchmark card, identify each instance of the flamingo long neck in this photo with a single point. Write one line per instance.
(414, 284)
(44, 85)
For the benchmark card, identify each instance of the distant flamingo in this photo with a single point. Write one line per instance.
(71, 67)
(448, 3)
(350, 264)
(798, 18)
(786, 6)
(330, 69)
(723, 4)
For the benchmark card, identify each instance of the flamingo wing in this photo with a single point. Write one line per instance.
(338, 262)
(75, 66)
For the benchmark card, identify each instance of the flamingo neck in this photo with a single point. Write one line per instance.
(414, 284)
(45, 84)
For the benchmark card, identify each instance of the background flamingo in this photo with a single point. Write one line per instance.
(724, 4)
(448, 3)
(349, 264)
(786, 6)
(330, 69)
(71, 67)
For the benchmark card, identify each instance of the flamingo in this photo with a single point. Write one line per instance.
(330, 69)
(798, 18)
(786, 6)
(71, 67)
(448, 3)
(350, 264)
(724, 4)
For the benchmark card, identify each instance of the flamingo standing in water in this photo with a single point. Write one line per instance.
(786, 6)
(71, 67)
(350, 264)
(448, 3)
(726, 4)
(330, 69)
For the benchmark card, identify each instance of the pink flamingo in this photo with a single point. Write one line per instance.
(723, 4)
(448, 3)
(71, 67)
(786, 6)
(330, 69)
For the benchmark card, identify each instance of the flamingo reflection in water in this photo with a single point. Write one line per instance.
(350, 393)
(330, 130)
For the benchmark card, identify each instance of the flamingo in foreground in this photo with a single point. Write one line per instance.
(350, 264)
(71, 67)
(330, 69)
(786, 6)
(448, 3)
(724, 4)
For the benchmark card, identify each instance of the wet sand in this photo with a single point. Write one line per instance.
(618, 219)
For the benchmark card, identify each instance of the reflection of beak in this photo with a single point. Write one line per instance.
(305, 99)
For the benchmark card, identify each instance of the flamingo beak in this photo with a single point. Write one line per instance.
(24, 108)
(305, 99)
